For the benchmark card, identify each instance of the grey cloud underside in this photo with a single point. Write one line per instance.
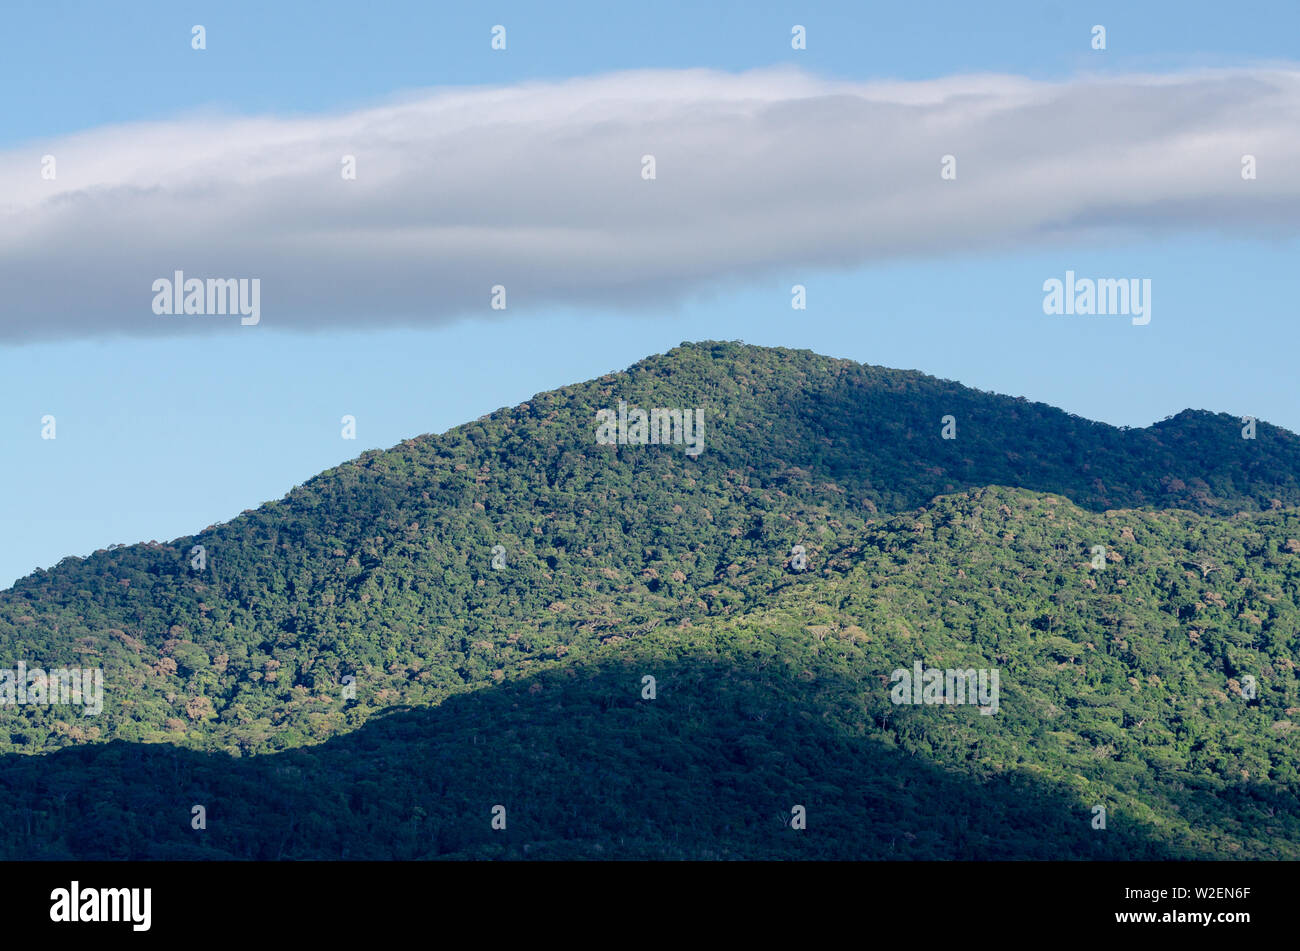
(538, 187)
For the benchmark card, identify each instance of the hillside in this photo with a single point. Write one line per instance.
(381, 568)
(1121, 686)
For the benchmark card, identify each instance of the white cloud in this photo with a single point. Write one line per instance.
(538, 187)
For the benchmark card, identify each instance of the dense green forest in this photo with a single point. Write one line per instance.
(347, 674)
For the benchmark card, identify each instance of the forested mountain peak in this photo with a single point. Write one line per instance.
(839, 520)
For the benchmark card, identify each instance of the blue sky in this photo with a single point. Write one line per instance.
(159, 436)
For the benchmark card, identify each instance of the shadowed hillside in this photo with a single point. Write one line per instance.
(585, 768)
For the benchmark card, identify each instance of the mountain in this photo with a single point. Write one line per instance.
(1160, 685)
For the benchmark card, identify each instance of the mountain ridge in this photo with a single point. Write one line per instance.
(652, 363)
